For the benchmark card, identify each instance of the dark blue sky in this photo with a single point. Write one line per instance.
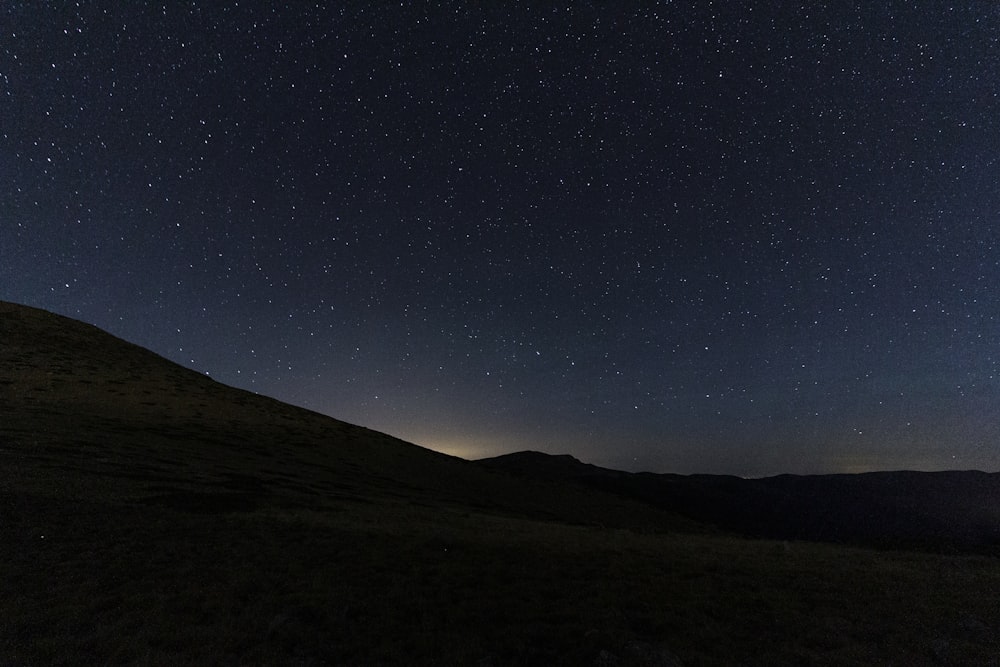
(740, 237)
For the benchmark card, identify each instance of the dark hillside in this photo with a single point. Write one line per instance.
(85, 413)
(150, 515)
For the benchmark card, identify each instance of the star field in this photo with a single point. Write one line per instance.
(737, 237)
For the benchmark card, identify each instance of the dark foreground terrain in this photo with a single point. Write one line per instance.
(149, 515)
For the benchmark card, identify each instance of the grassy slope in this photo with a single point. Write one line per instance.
(150, 515)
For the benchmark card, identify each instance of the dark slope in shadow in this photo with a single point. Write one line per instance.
(85, 414)
(149, 515)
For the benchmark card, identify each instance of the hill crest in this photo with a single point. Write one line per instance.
(85, 413)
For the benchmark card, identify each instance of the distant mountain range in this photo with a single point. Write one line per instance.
(956, 510)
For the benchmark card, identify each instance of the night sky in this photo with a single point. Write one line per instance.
(725, 237)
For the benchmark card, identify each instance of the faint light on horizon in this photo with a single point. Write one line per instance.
(470, 448)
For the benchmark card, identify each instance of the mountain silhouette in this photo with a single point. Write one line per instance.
(151, 515)
(952, 510)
